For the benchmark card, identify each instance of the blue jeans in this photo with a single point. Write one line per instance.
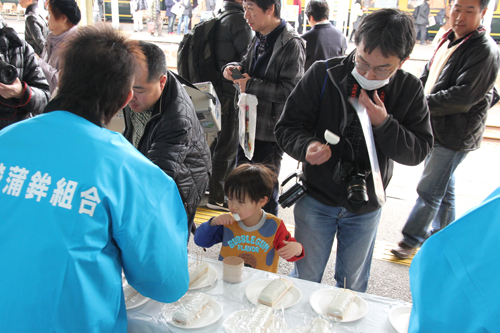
(436, 195)
(315, 227)
(184, 18)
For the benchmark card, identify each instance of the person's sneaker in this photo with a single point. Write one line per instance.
(218, 205)
(403, 251)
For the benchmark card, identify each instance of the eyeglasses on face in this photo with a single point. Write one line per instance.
(378, 71)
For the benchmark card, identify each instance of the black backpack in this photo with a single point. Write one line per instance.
(196, 60)
(440, 17)
(415, 12)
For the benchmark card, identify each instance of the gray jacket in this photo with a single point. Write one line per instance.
(285, 69)
(36, 27)
(423, 14)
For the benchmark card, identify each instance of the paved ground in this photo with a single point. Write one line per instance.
(476, 177)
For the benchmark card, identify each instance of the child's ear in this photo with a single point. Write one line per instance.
(263, 201)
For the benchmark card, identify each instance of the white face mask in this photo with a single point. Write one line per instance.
(368, 84)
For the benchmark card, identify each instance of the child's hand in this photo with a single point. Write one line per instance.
(290, 250)
(223, 219)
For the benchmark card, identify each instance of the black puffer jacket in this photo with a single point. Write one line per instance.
(174, 140)
(405, 137)
(461, 97)
(19, 54)
(231, 42)
(36, 28)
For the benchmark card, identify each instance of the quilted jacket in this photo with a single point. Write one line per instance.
(18, 53)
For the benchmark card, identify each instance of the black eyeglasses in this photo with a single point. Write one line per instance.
(378, 71)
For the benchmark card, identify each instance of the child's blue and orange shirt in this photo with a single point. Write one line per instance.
(257, 245)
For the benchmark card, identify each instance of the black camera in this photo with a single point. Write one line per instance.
(294, 192)
(354, 174)
(8, 73)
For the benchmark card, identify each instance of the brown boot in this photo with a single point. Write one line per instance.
(403, 251)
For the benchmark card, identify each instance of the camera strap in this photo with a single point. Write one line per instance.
(18, 106)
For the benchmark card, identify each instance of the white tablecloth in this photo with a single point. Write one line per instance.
(144, 319)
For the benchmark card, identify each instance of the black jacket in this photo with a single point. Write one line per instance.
(231, 42)
(174, 140)
(405, 136)
(461, 97)
(323, 41)
(36, 28)
(19, 54)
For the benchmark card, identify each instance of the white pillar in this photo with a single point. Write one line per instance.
(86, 11)
(115, 18)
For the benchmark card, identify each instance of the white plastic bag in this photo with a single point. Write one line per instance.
(248, 123)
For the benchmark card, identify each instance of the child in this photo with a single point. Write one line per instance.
(258, 237)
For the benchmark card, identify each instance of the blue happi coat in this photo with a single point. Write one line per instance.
(78, 203)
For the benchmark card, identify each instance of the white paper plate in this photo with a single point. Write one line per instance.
(206, 280)
(233, 323)
(321, 299)
(208, 317)
(292, 296)
(400, 318)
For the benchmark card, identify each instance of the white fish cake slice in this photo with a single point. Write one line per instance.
(196, 271)
(273, 292)
(190, 309)
(340, 303)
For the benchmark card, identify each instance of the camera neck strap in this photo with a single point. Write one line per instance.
(25, 88)
(366, 125)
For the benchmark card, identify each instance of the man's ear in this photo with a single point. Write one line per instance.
(163, 81)
(129, 97)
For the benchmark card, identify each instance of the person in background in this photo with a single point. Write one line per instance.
(458, 83)
(248, 187)
(271, 68)
(357, 15)
(155, 15)
(171, 16)
(137, 7)
(64, 15)
(299, 25)
(36, 27)
(422, 21)
(28, 93)
(232, 38)
(186, 15)
(445, 27)
(323, 41)
(75, 211)
(161, 122)
(345, 193)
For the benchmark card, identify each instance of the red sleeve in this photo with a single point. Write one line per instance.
(283, 234)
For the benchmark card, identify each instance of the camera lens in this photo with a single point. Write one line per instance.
(356, 190)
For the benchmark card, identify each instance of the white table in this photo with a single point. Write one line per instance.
(144, 319)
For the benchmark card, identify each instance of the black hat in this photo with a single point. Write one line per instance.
(68, 8)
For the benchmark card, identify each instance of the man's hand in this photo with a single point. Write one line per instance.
(14, 90)
(228, 72)
(223, 219)
(318, 153)
(290, 250)
(376, 111)
(243, 82)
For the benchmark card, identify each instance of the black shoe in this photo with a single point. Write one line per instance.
(218, 205)
(403, 251)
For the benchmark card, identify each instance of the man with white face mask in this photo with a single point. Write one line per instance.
(370, 77)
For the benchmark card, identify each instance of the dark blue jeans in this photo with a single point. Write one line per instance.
(269, 154)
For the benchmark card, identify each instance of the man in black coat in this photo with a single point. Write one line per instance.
(161, 122)
(324, 41)
(458, 84)
(232, 39)
(29, 93)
